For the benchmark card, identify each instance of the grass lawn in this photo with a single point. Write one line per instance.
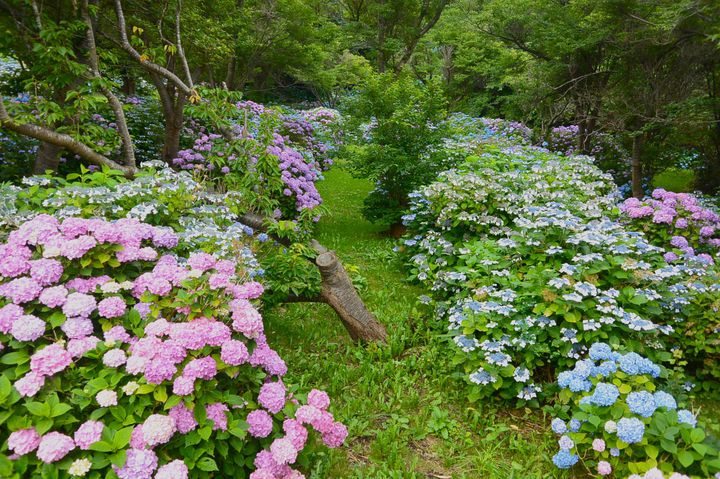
(407, 416)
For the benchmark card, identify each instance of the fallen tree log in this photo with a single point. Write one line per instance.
(337, 290)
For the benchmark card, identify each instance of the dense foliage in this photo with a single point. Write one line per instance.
(622, 422)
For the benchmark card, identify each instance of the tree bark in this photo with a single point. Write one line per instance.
(340, 294)
(337, 290)
(47, 158)
(115, 105)
(62, 140)
(637, 147)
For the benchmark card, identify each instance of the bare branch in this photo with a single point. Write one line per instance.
(147, 64)
(117, 108)
(180, 51)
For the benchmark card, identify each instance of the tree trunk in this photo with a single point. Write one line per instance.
(340, 294)
(231, 73)
(129, 86)
(337, 290)
(171, 144)
(47, 158)
(637, 147)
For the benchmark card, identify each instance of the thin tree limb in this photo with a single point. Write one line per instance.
(147, 64)
(117, 107)
(60, 139)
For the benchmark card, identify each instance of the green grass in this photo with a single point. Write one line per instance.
(406, 414)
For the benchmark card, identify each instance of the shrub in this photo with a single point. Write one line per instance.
(622, 422)
(528, 270)
(676, 221)
(273, 159)
(675, 179)
(401, 119)
(182, 379)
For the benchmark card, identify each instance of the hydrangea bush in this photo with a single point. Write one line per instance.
(678, 221)
(274, 158)
(118, 355)
(529, 267)
(622, 422)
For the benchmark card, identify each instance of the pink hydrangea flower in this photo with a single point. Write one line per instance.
(23, 441)
(78, 347)
(234, 353)
(79, 305)
(201, 368)
(269, 360)
(117, 333)
(112, 307)
(106, 398)
(272, 396)
(158, 370)
(201, 261)
(54, 446)
(246, 319)
(114, 358)
(21, 290)
(296, 432)
(604, 468)
(184, 418)
(46, 271)
(30, 384)
(216, 413)
(139, 464)
(319, 399)
(335, 435)
(50, 360)
(88, 434)
(158, 429)
(8, 315)
(76, 328)
(54, 296)
(183, 386)
(598, 445)
(28, 328)
(283, 451)
(260, 422)
(173, 470)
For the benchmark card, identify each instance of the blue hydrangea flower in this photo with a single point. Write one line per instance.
(686, 417)
(574, 425)
(583, 368)
(641, 403)
(663, 399)
(605, 394)
(578, 384)
(614, 452)
(565, 460)
(630, 430)
(604, 369)
(564, 378)
(558, 426)
(566, 443)
(634, 364)
(600, 352)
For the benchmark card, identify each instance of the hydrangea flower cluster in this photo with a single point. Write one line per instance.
(264, 146)
(679, 221)
(621, 423)
(131, 319)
